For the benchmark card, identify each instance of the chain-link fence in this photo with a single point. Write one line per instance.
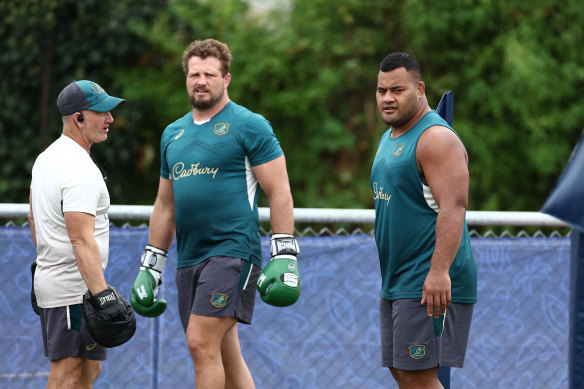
(330, 337)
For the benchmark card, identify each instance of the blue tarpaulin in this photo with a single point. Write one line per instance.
(445, 107)
(566, 202)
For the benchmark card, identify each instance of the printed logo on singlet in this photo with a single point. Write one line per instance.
(218, 300)
(180, 171)
(179, 134)
(221, 129)
(417, 351)
(397, 150)
(379, 194)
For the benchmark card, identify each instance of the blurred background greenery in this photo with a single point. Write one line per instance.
(310, 67)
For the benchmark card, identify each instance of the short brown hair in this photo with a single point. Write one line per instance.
(208, 48)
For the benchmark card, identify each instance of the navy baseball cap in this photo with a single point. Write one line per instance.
(84, 94)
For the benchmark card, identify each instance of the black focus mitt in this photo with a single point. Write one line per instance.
(33, 300)
(109, 317)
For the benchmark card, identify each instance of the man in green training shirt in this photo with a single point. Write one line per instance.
(214, 160)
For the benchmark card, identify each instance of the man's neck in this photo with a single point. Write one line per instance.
(76, 137)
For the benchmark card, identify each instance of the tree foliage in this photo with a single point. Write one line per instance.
(46, 44)
(310, 67)
(517, 71)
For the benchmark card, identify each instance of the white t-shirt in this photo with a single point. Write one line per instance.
(65, 179)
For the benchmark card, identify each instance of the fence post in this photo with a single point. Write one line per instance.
(445, 109)
(576, 339)
(444, 376)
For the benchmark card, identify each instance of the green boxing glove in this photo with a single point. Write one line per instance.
(279, 282)
(145, 287)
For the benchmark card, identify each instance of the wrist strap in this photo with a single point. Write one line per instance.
(154, 258)
(284, 244)
(285, 256)
(156, 250)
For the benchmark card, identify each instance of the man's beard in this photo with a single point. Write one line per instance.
(401, 120)
(205, 104)
(396, 122)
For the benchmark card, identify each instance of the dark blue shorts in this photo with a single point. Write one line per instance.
(412, 340)
(65, 334)
(217, 287)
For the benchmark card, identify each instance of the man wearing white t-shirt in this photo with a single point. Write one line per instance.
(69, 204)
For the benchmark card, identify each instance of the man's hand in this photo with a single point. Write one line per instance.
(437, 292)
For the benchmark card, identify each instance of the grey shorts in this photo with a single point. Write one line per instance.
(412, 340)
(217, 287)
(65, 334)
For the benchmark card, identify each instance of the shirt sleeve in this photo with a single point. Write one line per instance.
(261, 144)
(164, 170)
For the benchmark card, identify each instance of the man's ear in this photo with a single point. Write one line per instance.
(421, 88)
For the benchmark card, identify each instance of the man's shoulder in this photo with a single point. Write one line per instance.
(61, 149)
(244, 114)
(433, 119)
(439, 134)
(180, 121)
(175, 128)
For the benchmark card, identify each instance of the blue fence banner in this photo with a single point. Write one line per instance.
(330, 337)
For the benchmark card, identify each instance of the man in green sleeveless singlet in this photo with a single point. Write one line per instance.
(419, 181)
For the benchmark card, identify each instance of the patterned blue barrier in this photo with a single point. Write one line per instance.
(330, 337)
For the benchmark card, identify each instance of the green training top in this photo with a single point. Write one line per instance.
(405, 221)
(215, 191)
